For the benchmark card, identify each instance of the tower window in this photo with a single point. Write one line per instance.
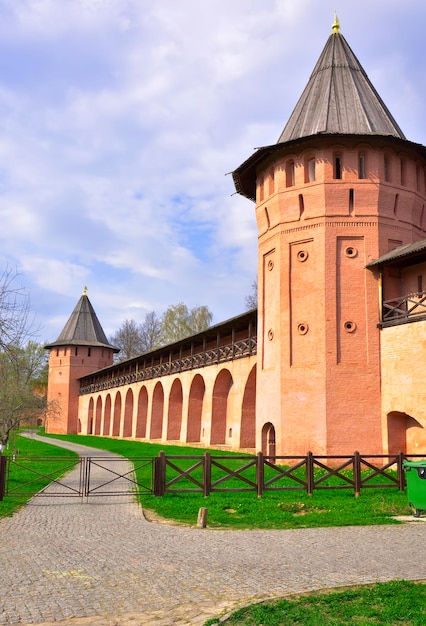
(310, 170)
(89, 351)
(301, 205)
(386, 164)
(361, 166)
(289, 174)
(403, 172)
(76, 351)
(337, 167)
(395, 205)
(261, 190)
(268, 221)
(271, 181)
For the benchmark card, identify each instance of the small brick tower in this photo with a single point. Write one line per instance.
(341, 187)
(81, 348)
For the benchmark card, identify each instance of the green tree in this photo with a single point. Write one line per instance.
(22, 362)
(179, 322)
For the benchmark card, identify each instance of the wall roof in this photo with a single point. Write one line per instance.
(408, 254)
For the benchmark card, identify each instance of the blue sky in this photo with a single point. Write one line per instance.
(119, 120)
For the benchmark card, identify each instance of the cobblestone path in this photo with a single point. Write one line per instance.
(100, 563)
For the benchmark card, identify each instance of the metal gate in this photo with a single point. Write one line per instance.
(27, 476)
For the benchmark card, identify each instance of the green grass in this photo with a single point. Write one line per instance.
(26, 468)
(279, 509)
(396, 603)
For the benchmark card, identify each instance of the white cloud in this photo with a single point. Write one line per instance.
(120, 118)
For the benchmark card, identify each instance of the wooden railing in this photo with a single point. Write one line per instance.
(236, 350)
(212, 473)
(406, 307)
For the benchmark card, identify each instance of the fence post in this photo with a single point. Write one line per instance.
(357, 473)
(207, 474)
(401, 473)
(160, 474)
(2, 476)
(260, 474)
(310, 474)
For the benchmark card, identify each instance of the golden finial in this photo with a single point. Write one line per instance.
(336, 25)
(85, 290)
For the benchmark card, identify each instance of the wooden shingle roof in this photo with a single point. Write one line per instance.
(339, 99)
(83, 328)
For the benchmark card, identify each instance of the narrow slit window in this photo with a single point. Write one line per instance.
(403, 172)
(386, 165)
(337, 167)
(268, 221)
(272, 181)
(351, 201)
(361, 167)
(395, 205)
(260, 187)
(301, 205)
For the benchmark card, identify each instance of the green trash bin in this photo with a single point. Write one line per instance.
(415, 475)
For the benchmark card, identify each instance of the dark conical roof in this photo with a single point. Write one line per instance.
(83, 328)
(339, 98)
(338, 101)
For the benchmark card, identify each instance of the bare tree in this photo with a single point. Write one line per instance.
(128, 340)
(16, 323)
(151, 332)
(251, 299)
(22, 387)
(176, 323)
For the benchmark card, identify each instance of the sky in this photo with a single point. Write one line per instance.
(120, 121)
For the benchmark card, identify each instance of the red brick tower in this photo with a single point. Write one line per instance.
(81, 348)
(341, 187)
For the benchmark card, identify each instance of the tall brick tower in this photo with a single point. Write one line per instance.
(81, 348)
(341, 187)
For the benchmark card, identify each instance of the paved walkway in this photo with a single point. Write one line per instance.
(101, 563)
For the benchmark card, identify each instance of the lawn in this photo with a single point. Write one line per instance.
(277, 509)
(27, 468)
(394, 603)
(384, 604)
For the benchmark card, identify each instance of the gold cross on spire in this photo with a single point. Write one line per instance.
(336, 25)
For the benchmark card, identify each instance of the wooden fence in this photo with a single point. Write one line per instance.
(212, 473)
